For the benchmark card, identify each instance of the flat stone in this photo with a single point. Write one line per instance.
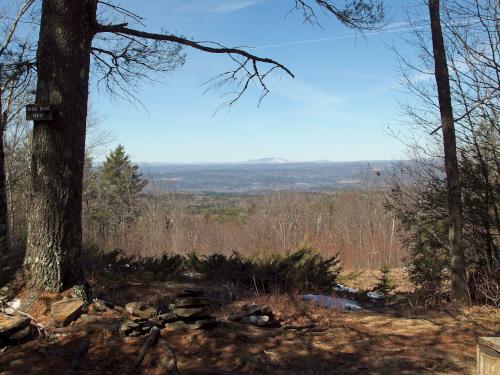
(133, 318)
(191, 302)
(66, 311)
(191, 312)
(140, 310)
(169, 317)
(12, 324)
(256, 320)
(201, 323)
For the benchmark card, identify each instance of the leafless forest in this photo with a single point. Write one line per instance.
(353, 224)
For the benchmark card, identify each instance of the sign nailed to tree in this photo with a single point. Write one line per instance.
(39, 112)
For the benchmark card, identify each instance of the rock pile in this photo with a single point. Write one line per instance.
(192, 310)
(257, 315)
(139, 319)
(189, 310)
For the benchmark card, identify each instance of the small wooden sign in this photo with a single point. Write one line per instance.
(39, 112)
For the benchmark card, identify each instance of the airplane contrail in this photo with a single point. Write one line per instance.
(338, 37)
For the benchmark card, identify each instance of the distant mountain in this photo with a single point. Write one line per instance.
(272, 160)
(267, 161)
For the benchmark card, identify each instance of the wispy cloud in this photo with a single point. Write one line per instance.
(307, 93)
(235, 5)
(220, 6)
(390, 28)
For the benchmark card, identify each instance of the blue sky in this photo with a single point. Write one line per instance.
(338, 107)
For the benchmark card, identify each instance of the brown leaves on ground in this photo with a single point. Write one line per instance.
(311, 340)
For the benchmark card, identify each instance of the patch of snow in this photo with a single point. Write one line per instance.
(332, 302)
(343, 288)
(375, 295)
(13, 305)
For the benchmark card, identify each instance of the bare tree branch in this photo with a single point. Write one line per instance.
(247, 68)
(356, 14)
(10, 34)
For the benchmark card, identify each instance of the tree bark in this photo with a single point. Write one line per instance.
(459, 289)
(4, 224)
(54, 243)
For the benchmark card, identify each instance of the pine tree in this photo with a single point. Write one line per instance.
(116, 191)
(121, 177)
(385, 284)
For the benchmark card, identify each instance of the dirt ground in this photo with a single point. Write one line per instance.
(390, 339)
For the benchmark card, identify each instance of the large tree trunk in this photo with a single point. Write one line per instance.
(4, 225)
(54, 224)
(458, 276)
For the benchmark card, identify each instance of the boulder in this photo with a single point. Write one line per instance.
(139, 311)
(66, 311)
(12, 324)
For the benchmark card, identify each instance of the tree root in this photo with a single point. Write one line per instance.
(168, 361)
(148, 344)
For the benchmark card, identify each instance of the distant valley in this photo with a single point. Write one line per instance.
(263, 175)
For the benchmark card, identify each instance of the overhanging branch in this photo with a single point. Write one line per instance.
(121, 29)
(249, 68)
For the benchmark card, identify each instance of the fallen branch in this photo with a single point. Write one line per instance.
(168, 362)
(290, 327)
(148, 344)
(297, 326)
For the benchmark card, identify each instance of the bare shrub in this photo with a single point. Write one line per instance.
(353, 224)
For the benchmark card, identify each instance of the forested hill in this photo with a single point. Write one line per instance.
(266, 175)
